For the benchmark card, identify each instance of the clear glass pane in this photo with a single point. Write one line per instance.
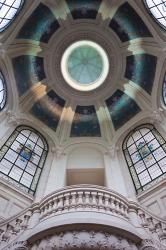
(16, 173)
(155, 171)
(144, 178)
(8, 11)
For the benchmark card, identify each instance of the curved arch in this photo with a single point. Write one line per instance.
(164, 90)
(9, 11)
(145, 152)
(22, 158)
(3, 91)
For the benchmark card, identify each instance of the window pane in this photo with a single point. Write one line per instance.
(157, 8)
(8, 11)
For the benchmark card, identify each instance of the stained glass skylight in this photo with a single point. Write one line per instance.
(22, 158)
(85, 65)
(157, 9)
(8, 11)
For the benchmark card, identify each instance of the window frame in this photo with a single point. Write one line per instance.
(4, 91)
(149, 184)
(164, 84)
(14, 17)
(42, 157)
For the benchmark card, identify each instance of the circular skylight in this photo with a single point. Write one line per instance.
(8, 11)
(85, 65)
(158, 10)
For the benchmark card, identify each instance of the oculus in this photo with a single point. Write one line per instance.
(85, 65)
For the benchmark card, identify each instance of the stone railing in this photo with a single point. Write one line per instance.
(12, 228)
(82, 198)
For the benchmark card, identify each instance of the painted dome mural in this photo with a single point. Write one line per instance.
(113, 83)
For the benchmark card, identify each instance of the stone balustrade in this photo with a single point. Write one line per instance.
(83, 198)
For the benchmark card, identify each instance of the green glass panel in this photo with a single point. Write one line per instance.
(85, 65)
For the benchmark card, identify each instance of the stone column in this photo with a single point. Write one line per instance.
(113, 175)
(57, 175)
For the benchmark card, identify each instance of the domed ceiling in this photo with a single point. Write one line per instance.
(49, 30)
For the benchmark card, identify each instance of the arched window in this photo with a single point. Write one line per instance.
(145, 153)
(22, 158)
(2, 92)
(8, 11)
(164, 90)
(157, 9)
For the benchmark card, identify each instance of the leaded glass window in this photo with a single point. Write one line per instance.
(164, 90)
(145, 153)
(2, 92)
(22, 158)
(8, 11)
(157, 9)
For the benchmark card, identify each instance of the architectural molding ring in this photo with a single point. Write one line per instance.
(54, 55)
(70, 64)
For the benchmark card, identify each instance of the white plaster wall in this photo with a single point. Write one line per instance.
(154, 199)
(85, 157)
(12, 200)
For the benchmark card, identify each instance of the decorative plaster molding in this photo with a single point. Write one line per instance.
(112, 151)
(87, 240)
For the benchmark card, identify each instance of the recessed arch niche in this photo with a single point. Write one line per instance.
(85, 165)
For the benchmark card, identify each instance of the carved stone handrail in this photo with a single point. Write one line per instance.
(82, 198)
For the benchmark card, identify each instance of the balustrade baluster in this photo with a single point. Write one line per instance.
(100, 202)
(45, 210)
(107, 202)
(87, 200)
(126, 215)
(152, 228)
(73, 201)
(7, 234)
(80, 200)
(117, 208)
(50, 207)
(66, 202)
(160, 232)
(17, 226)
(55, 205)
(25, 221)
(144, 221)
(94, 200)
(60, 204)
(112, 203)
(41, 212)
